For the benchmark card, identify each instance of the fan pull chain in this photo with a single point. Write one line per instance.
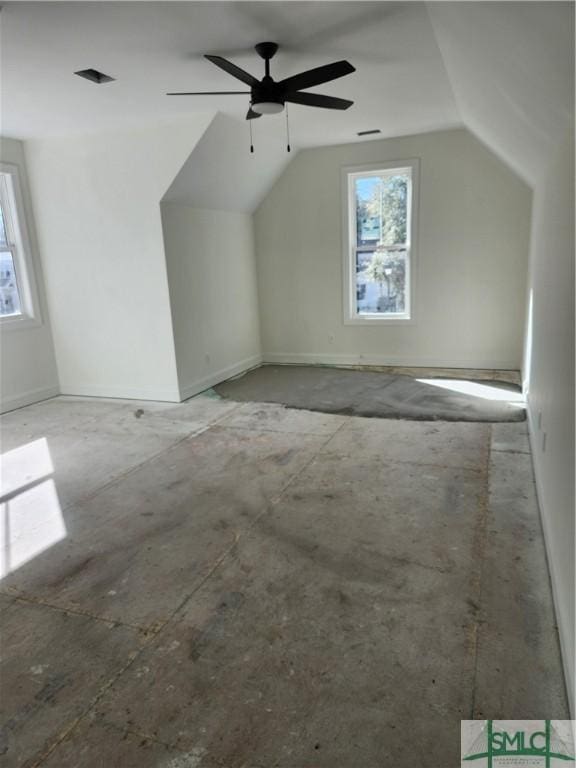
(287, 131)
(251, 144)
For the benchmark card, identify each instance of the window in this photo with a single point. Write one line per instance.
(18, 303)
(379, 243)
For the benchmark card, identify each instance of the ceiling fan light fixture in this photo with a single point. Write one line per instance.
(267, 107)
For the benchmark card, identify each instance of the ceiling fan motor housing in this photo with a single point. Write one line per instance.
(267, 92)
(266, 97)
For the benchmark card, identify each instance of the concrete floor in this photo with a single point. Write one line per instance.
(425, 394)
(224, 585)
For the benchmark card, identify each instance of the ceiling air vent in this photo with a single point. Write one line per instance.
(369, 133)
(94, 76)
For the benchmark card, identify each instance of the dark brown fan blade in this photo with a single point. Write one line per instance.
(316, 76)
(317, 100)
(251, 115)
(208, 93)
(232, 69)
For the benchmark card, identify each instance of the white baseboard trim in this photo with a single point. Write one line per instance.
(200, 385)
(28, 398)
(564, 631)
(311, 358)
(163, 394)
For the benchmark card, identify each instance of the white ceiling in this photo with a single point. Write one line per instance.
(503, 69)
(400, 85)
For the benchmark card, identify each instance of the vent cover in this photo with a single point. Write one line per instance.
(94, 76)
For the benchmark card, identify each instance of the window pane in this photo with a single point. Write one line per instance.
(381, 209)
(2, 227)
(381, 282)
(9, 298)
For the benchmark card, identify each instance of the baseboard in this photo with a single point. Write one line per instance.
(200, 385)
(162, 394)
(28, 398)
(311, 358)
(564, 632)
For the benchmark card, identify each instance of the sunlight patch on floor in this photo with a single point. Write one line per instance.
(477, 389)
(30, 514)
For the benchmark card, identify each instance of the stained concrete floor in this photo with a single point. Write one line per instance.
(248, 586)
(424, 394)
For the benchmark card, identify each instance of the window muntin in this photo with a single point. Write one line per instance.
(379, 250)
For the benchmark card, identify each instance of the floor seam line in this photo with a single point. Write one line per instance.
(242, 534)
(151, 636)
(482, 539)
(128, 472)
(228, 413)
(219, 561)
(274, 431)
(476, 470)
(32, 600)
(155, 633)
(302, 469)
(267, 508)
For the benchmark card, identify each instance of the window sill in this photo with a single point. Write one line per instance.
(379, 320)
(18, 322)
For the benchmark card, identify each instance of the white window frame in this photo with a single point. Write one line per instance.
(349, 174)
(20, 245)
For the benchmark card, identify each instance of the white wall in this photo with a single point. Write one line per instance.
(222, 174)
(474, 224)
(212, 278)
(97, 201)
(28, 370)
(511, 66)
(549, 371)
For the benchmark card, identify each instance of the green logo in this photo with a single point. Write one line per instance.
(521, 738)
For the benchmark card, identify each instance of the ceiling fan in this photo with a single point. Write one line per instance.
(267, 97)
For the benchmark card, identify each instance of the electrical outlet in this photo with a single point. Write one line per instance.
(331, 338)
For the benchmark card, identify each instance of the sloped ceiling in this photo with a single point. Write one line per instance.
(222, 174)
(511, 66)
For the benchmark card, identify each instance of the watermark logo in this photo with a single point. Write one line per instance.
(518, 744)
